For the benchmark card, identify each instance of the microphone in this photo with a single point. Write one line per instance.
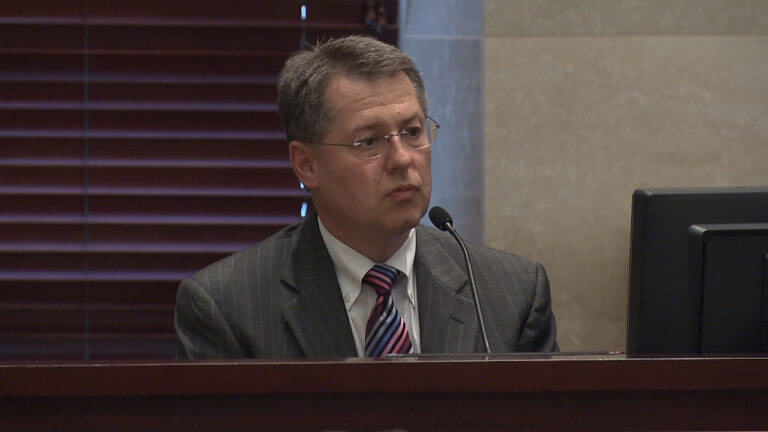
(442, 220)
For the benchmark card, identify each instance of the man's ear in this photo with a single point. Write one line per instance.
(303, 163)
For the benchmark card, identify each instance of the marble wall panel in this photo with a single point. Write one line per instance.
(625, 17)
(445, 40)
(446, 18)
(575, 124)
(456, 102)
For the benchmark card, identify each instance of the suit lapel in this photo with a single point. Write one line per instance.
(317, 315)
(446, 318)
(318, 319)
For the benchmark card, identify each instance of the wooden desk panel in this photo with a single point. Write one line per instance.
(563, 392)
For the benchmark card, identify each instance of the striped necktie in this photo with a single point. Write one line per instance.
(385, 332)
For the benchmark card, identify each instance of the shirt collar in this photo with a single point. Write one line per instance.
(351, 265)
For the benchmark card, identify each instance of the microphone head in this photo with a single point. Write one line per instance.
(440, 218)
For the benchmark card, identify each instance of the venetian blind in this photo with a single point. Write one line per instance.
(139, 142)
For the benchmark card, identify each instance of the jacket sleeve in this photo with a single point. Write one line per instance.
(539, 332)
(201, 328)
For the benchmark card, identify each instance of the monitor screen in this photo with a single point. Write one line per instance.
(729, 267)
(663, 311)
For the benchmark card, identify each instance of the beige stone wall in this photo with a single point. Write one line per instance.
(586, 101)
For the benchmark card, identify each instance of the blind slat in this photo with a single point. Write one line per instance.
(139, 142)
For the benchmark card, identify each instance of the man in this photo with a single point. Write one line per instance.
(361, 277)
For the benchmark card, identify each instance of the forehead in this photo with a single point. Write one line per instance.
(355, 101)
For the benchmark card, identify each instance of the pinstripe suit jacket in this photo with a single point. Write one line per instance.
(281, 299)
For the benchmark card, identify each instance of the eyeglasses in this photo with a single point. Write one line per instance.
(415, 137)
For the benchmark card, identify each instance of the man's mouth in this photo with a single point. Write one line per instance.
(404, 191)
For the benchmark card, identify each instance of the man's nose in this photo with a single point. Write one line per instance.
(399, 152)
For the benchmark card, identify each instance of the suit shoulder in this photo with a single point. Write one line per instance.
(481, 254)
(523, 265)
(265, 257)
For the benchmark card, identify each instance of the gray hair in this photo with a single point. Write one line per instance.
(306, 74)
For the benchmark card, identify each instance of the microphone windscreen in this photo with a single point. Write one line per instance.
(440, 217)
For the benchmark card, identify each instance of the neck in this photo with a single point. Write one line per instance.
(376, 246)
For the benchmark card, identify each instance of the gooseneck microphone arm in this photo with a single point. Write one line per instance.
(442, 220)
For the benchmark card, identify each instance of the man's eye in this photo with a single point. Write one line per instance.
(365, 142)
(413, 131)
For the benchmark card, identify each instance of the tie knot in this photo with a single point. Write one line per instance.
(381, 278)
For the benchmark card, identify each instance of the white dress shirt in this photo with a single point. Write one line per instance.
(351, 266)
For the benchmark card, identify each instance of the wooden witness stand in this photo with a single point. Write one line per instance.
(560, 392)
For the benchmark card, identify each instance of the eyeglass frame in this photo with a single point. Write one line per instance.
(431, 124)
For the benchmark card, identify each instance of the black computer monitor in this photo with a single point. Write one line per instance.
(663, 311)
(729, 267)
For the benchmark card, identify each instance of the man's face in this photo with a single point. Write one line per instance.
(365, 199)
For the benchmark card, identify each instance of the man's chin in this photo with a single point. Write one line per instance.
(408, 221)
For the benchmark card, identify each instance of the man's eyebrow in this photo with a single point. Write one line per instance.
(364, 127)
(374, 124)
(415, 116)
